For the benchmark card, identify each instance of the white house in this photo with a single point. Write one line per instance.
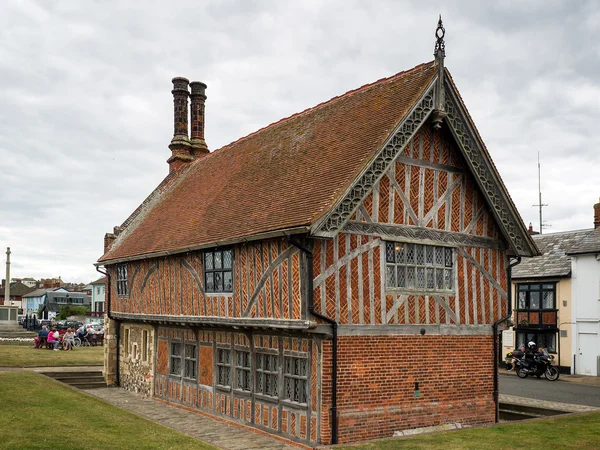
(98, 291)
(585, 262)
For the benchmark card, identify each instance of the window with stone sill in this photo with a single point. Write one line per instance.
(295, 376)
(267, 374)
(218, 271)
(419, 267)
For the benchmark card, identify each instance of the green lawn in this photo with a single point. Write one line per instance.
(40, 413)
(581, 431)
(24, 356)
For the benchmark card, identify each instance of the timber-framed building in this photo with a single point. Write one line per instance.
(322, 278)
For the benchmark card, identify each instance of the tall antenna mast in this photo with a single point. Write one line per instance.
(540, 204)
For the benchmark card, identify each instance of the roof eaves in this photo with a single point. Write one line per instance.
(222, 243)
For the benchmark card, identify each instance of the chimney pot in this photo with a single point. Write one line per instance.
(180, 144)
(198, 97)
(109, 238)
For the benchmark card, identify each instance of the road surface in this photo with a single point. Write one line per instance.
(554, 391)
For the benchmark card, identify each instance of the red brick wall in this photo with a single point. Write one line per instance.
(376, 384)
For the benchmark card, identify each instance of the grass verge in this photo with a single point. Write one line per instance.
(581, 431)
(39, 413)
(22, 356)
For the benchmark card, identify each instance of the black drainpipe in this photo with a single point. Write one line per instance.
(117, 323)
(495, 328)
(334, 325)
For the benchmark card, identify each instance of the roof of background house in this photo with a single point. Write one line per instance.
(101, 280)
(36, 293)
(18, 289)
(554, 261)
(283, 176)
(590, 243)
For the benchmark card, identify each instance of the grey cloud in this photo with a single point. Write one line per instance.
(86, 109)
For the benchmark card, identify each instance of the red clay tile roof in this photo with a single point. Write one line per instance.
(285, 175)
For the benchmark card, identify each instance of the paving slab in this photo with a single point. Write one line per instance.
(212, 431)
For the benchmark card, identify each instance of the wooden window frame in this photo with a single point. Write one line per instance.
(243, 371)
(122, 285)
(173, 358)
(190, 361)
(409, 263)
(297, 382)
(267, 378)
(223, 367)
(209, 263)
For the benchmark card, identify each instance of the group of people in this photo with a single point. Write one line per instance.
(53, 337)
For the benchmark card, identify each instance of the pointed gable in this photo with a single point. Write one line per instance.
(281, 177)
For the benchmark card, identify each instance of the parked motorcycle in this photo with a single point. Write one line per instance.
(541, 364)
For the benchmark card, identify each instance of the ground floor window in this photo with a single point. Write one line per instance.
(242, 370)
(267, 370)
(223, 367)
(175, 358)
(295, 378)
(191, 361)
(545, 340)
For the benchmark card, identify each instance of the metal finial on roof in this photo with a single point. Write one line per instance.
(439, 97)
(440, 46)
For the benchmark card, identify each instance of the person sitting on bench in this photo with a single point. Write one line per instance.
(41, 338)
(54, 338)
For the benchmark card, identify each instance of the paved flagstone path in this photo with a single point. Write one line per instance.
(211, 431)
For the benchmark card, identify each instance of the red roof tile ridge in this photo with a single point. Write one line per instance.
(333, 99)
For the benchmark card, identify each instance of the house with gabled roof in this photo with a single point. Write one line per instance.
(557, 298)
(318, 278)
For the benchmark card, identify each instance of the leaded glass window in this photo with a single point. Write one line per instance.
(218, 270)
(191, 361)
(295, 377)
(122, 288)
(419, 267)
(242, 370)
(175, 358)
(267, 369)
(223, 366)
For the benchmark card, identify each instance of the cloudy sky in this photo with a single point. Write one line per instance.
(86, 109)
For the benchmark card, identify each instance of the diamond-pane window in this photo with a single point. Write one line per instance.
(267, 373)
(191, 362)
(175, 358)
(218, 271)
(419, 267)
(223, 367)
(242, 372)
(227, 259)
(296, 379)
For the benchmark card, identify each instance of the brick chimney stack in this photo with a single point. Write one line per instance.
(597, 215)
(198, 96)
(180, 144)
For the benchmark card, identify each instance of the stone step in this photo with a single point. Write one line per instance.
(89, 379)
(74, 374)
